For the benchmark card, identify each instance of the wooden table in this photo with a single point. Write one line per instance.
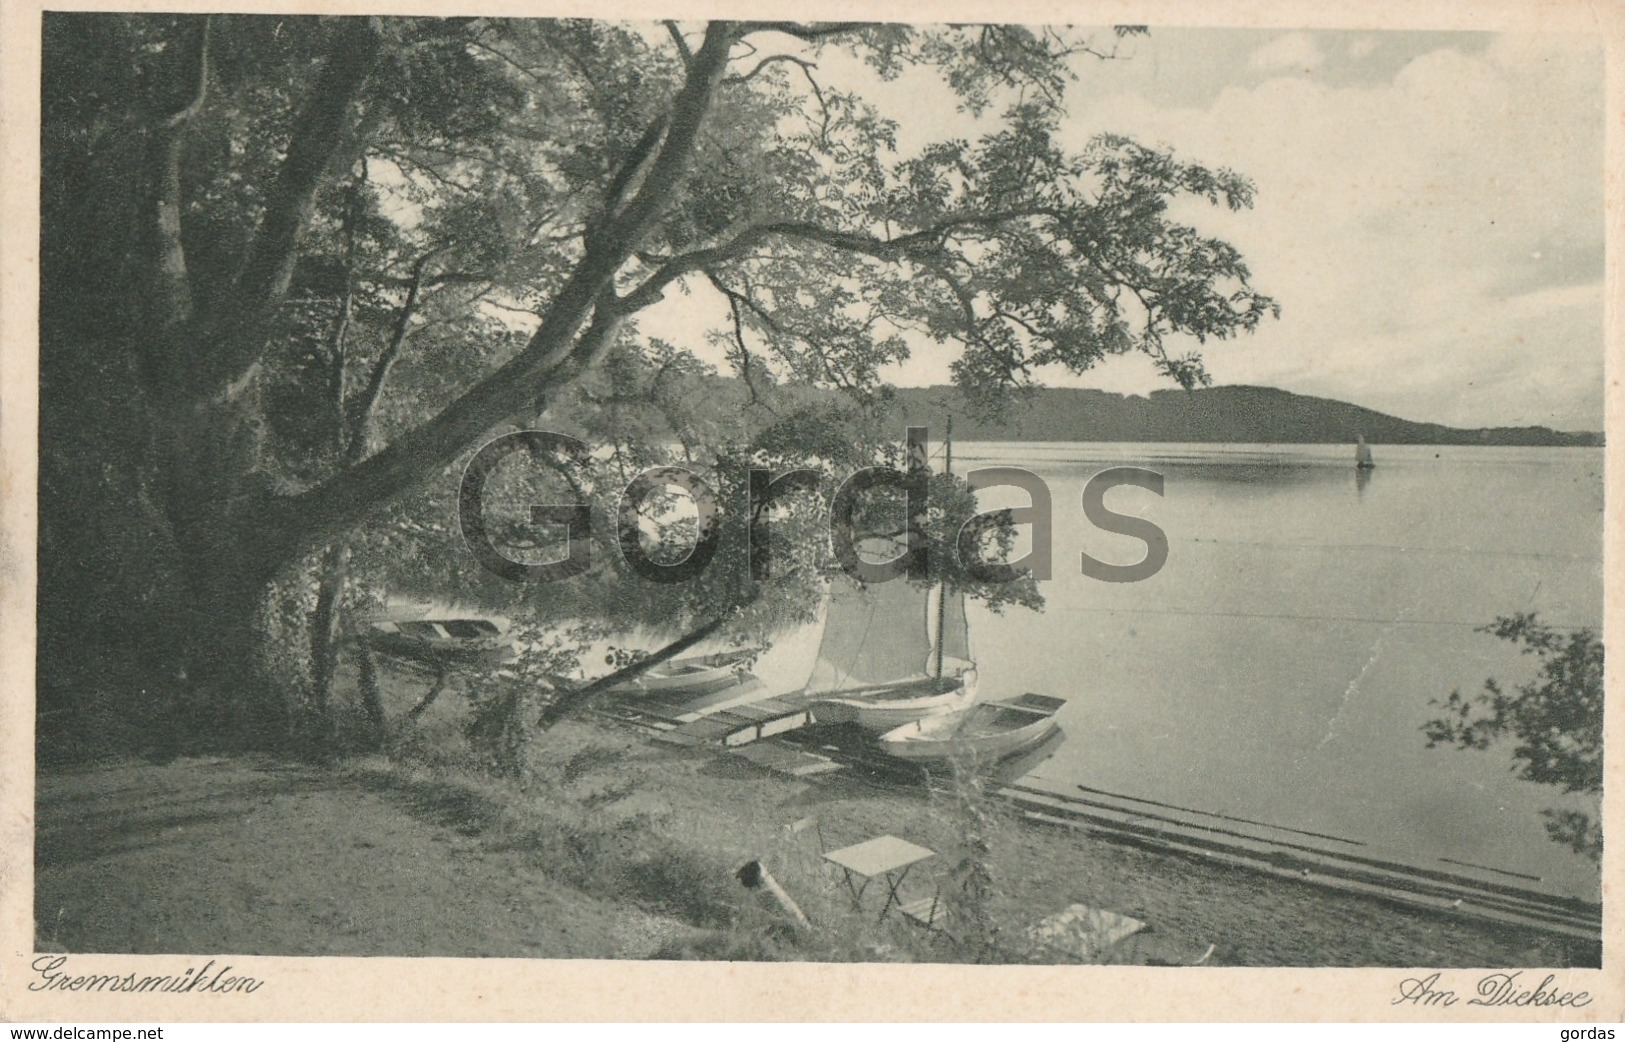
(884, 857)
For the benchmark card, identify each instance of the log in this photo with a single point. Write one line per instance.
(755, 876)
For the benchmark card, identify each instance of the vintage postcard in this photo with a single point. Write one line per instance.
(730, 511)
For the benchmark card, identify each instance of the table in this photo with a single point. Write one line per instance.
(884, 857)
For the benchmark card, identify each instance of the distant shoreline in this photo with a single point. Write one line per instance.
(1214, 415)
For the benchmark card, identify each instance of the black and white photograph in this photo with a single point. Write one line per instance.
(999, 492)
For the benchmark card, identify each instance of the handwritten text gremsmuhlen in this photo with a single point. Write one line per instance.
(53, 976)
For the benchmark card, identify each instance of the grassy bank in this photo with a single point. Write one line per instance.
(612, 846)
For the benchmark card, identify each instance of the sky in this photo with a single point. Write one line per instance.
(1429, 210)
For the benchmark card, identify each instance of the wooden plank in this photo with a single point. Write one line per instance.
(678, 738)
(1289, 845)
(1391, 887)
(753, 711)
(707, 728)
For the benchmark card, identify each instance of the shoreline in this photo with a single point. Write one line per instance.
(627, 849)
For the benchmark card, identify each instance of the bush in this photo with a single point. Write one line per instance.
(1555, 719)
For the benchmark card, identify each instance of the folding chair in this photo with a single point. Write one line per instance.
(796, 831)
(930, 913)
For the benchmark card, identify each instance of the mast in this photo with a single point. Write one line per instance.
(942, 587)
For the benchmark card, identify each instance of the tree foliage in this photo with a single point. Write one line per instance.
(313, 262)
(1555, 720)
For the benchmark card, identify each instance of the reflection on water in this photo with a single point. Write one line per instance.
(1279, 667)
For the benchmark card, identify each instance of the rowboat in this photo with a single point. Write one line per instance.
(988, 731)
(443, 642)
(697, 674)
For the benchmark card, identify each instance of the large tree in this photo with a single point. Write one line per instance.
(294, 268)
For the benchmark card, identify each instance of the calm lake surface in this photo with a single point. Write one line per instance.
(1279, 666)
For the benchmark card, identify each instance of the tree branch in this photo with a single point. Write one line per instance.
(806, 66)
(338, 352)
(676, 34)
(201, 82)
(361, 414)
(169, 292)
(897, 248)
(555, 354)
(236, 337)
(570, 699)
(809, 31)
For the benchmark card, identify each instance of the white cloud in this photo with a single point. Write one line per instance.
(1293, 52)
(1396, 224)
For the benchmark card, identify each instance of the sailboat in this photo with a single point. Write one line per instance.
(885, 659)
(1362, 455)
(893, 653)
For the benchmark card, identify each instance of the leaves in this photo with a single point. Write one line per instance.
(466, 238)
(1555, 721)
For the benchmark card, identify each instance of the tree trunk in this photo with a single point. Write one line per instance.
(372, 697)
(325, 628)
(430, 695)
(227, 701)
(231, 550)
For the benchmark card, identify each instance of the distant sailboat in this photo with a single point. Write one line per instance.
(1362, 455)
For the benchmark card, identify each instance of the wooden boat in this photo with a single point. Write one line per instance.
(882, 662)
(988, 731)
(883, 707)
(440, 643)
(696, 675)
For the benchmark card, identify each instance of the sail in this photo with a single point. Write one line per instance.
(873, 634)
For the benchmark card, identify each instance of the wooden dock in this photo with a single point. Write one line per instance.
(732, 716)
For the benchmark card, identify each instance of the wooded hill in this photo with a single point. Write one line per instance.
(1216, 414)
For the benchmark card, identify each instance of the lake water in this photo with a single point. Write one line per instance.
(1279, 666)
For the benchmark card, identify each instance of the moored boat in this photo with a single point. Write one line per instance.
(988, 731)
(697, 674)
(891, 653)
(442, 642)
(885, 706)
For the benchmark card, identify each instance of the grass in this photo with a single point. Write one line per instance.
(606, 845)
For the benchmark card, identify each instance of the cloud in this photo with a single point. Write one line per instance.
(1398, 224)
(1293, 52)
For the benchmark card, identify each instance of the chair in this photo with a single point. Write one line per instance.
(796, 831)
(931, 913)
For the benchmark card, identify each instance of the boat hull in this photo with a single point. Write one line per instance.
(436, 644)
(991, 731)
(886, 707)
(699, 675)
